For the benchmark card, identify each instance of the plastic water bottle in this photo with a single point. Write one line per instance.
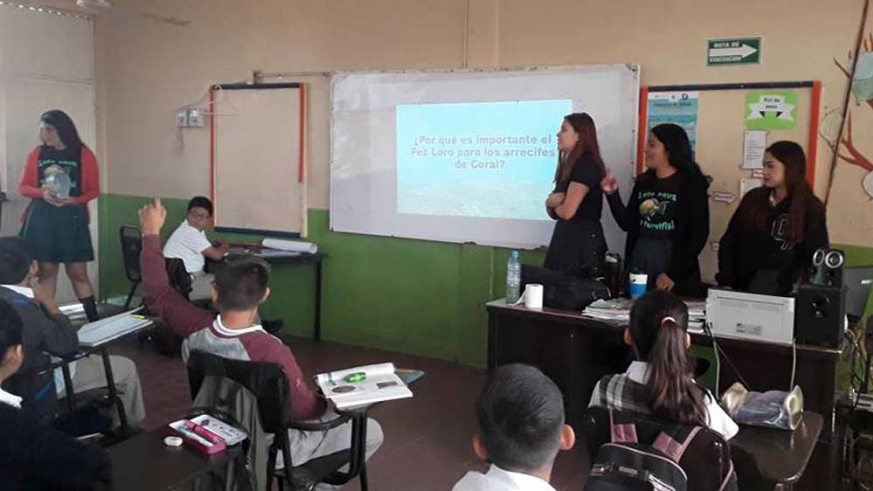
(513, 278)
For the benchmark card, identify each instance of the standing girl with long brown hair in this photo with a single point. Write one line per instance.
(576, 204)
(772, 236)
(661, 380)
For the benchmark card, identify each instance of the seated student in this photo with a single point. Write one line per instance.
(189, 243)
(521, 430)
(34, 455)
(48, 332)
(239, 288)
(661, 382)
(774, 232)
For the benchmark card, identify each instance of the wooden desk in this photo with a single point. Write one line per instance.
(780, 457)
(575, 352)
(317, 259)
(144, 463)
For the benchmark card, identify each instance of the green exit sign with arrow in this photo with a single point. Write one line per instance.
(737, 51)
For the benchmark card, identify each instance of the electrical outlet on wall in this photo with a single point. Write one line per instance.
(195, 118)
(181, 118)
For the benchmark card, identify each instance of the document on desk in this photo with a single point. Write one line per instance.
(111, 328)
(361, 386)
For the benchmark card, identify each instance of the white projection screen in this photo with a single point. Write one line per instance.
(469, 156)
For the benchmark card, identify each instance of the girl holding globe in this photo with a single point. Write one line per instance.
(60, 176)
(667, 216)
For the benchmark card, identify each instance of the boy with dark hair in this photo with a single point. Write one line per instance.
(189, 243)
(239, 288)
(521, 430)
(34, 455)
(48, 332)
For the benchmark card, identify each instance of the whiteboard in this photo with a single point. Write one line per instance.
(258, 151)
(370, 115)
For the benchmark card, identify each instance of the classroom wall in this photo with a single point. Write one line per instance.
(399, 294)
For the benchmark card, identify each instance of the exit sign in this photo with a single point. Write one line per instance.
(736, 51)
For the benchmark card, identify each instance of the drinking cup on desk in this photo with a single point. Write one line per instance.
(533, 296)
(638, 282)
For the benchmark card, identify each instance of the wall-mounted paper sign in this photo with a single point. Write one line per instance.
(747, 185)
(754, 145)
(723, 197)
(715, 246)
(771, 110)
(758, 173)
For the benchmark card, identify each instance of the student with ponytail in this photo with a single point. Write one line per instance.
(661, 381)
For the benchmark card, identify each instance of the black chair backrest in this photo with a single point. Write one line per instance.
(180, 280)
(131, 247)
(266, 381)
(706, 461)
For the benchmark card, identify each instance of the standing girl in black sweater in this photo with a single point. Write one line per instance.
(576, 204)
(667, 216)
(770, 240)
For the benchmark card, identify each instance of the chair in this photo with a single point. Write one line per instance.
(707, 461)
(268, 383)
(179, 278)
(131, 247)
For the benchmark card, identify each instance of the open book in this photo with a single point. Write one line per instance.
(360, 386)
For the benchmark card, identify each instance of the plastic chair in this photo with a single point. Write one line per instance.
(268, 383)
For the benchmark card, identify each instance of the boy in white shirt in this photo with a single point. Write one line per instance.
(189, 243)
(521, 430)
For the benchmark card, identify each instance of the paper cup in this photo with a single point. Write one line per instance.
(638, 282)
(533, 296)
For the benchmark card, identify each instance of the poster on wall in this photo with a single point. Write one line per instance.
(675, 107)
(771, 110)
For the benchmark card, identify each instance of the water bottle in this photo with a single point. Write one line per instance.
(513, 278)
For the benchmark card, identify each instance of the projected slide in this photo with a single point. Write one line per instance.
(482, 160)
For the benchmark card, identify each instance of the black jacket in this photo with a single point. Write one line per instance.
(745, 249)
(44, 335)
(692, 228)
(37, 457)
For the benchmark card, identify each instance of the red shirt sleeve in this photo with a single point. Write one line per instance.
(29, 184)
(306, 404)
(90, 178)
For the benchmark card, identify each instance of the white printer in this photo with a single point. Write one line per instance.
(766, 318)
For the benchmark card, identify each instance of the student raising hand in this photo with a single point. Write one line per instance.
(152, 217)
(609, 184)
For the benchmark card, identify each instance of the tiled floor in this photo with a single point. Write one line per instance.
(427, 438)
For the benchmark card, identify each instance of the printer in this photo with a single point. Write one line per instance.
(766, 318)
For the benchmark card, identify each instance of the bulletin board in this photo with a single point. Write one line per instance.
(258, 158)
(721, 113)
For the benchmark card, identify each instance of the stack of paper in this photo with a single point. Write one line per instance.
(615, 309)
(618, 310)
(111, 328)
(360, 386)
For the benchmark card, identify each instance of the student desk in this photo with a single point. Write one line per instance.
(576, 351)
(780, 457)
(290, 260)
(144, 463)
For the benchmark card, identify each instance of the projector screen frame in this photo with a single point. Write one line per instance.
(631, 124)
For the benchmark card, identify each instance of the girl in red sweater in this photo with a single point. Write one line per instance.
(60, 177)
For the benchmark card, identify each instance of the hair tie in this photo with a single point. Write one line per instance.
(668, 318)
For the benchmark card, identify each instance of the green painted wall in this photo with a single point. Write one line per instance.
(412, 296)
(418, 297)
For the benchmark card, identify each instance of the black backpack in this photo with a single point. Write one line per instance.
(643, 454)
(562, 290)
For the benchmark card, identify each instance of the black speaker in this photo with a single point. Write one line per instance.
(819, 315)
(827, 267)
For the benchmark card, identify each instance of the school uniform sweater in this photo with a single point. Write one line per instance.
(745, 249)
(691, 217)
(204, 331)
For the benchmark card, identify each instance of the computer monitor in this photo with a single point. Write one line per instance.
(857, 282)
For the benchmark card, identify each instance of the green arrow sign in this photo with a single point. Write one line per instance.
(738, 51)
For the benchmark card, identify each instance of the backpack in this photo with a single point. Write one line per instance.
(562, 290)
(648, 455)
